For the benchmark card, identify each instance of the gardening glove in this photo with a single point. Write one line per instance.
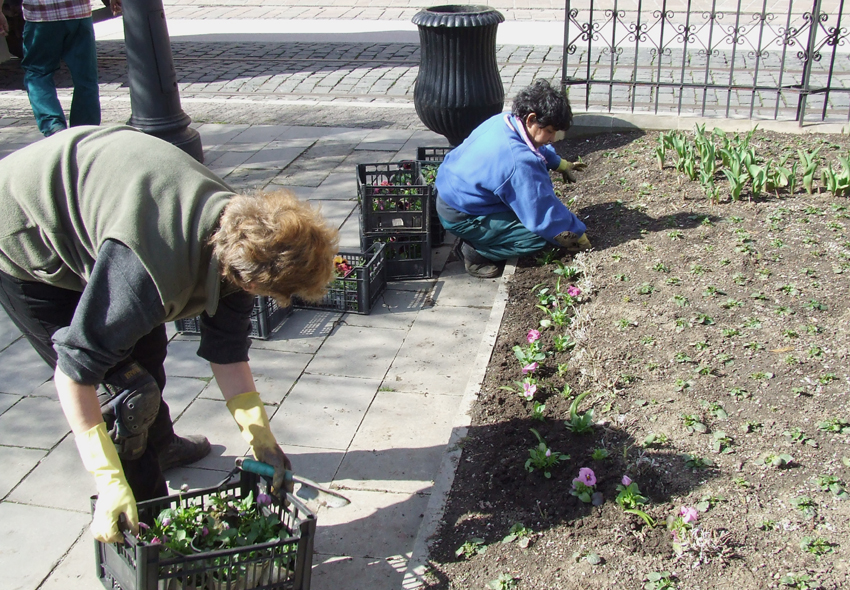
(114, 496)
(583, 243)
(567, 168)
(250, 414)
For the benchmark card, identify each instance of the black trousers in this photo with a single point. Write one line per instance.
(39, 310)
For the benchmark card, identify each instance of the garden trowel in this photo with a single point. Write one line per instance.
(308, 490)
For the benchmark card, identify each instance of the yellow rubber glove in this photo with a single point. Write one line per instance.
(250, 414)
(583, 243)
(114, 496)
(567, 168)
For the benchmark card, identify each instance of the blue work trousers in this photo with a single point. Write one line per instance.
(45, 44)
(497, 236)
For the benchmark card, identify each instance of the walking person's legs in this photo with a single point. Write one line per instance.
(43, 46)
(80, 55)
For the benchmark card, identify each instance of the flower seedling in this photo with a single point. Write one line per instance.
(815, 545)
(722, 443)
(693, 423)
(798, 436)
(532, 352)
(739, 393)
(799, 581)
(628, 494)
(708, 502)
(830, 483)
(694, 462)
(542, 457)
(503, 582)
(715, 409)
(836, 425)
(806, 505)
(579, 423)
(584, 486)
(563, 342)
(519, 533)
(471, 548)
(656, 439)
(600, 454)
(660, 581)
(774, 460)
(752, 426)
(587, 555)
(538, 411)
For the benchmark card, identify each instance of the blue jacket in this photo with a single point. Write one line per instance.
(494, 170)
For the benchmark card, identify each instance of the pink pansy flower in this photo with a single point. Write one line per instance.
(528, 390)
(627, 481)
(586, 476)
(143, 526)
(548, 453)
(533, 336)
(264, 499)
(573, 291)
(689, 514)
(156, 541)
(166, 521)
(530, 368)
(205, 531)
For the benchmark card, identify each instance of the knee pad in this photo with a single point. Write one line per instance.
(129, 406)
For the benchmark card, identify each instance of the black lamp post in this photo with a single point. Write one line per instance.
(154, 95)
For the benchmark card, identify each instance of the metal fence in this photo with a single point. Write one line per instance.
(757, 59)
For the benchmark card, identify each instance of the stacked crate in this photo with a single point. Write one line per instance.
(429, 159)
(395, 209)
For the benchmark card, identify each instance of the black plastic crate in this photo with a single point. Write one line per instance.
(277, 565)
(432, 154)
(357, 291)
(266, 316)
(393, 198)
(407, 256)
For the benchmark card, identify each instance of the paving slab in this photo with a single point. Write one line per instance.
(304, 331)
(42, 537)
(316, 463)
(324, 411)
(212, 419)
(336, 212)
(182, 360)
(458, 289)
(194, 478)
(394, 310)
(400, 444)
(180, 392)
(274, 374)
(76, 571)
(16, 462)
(438, 353)
(338, 185)
(7, 400)
(23, 369)
(351, 530)
(370, 358)
(337, 573)
(58, 481)
(35, 423)
(8, 331)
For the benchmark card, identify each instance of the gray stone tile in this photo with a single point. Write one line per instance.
(317, 464)
(183, 360)
(336, 573)
(351, 530)
(323, 411)
(336, 212)
(259, 133)
(34, 422)
(400, 444)
(8, 400)
(23, 369)
(16, 462)
(274, 374)
(215, 134)
(391, 147)
(272, 159)
(338, 185)
(458, 289)
(213, 420)
(349, 234)
(8, 331)
(63, 470)
(42, 537)
(180, 392)
(438, 354)
(394, 309)
(370, 357)
(323, 133)
(303, 331)
(76, 571)
(304, 193)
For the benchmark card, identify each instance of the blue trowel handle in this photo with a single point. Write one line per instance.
(260, 468)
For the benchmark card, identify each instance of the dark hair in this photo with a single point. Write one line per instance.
(550, 105)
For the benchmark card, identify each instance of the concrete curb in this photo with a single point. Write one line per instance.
(417, 567)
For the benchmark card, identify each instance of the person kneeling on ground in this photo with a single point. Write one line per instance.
(494, 191)
(106, 235)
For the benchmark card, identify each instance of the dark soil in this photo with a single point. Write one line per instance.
(735, 313)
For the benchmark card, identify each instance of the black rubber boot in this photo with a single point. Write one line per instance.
(475, 264)
(183, 451)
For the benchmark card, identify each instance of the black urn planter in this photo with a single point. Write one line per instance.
(458, 86)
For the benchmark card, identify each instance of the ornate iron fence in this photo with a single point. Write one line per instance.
(756, 59)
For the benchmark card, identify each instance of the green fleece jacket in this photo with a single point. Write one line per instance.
(63, 196)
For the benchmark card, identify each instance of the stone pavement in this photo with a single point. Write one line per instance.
(365, 403)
